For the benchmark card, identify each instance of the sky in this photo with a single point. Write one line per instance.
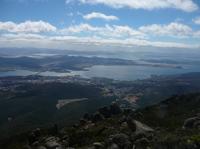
(82, 24)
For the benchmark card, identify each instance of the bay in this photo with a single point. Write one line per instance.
(128, 73)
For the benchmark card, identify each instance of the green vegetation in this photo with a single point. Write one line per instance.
(35, 106)
(168, 132)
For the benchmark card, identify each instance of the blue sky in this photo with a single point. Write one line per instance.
(66, 24)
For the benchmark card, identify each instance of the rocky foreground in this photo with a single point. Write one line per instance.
(172, 124)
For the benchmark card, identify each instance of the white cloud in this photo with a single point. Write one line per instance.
(173, 29)
(107, 31)
(124, 32)
(184, 5)
(86, 34)
(97, 15)
(197, 20)
(27, 27)
(21, 36)
(71, 41)
(80, 28)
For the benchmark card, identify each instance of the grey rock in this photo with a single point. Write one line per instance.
(98, 145)
(197, 124)
(113, 146)
(121, 140)
(131, 124)
(190, 123)
(138, 127)
(52, 143)
(124, 125)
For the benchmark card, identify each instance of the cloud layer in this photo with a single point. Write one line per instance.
(107, 31)
(184, 5)
(30, 32)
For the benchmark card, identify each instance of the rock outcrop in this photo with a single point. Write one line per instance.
(193, 122)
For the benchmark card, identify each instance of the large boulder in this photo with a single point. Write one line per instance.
(138, 127)
(98, 145)
(131, 124)
(197, 124)
(141, 134)
(191, 123)
(142, 128)
(52, 143)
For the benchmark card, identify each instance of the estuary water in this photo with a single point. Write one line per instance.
(116, 72)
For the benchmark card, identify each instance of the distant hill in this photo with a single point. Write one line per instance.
(172, 112)
(58, 63)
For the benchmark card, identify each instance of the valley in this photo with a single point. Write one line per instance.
(30, 102)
